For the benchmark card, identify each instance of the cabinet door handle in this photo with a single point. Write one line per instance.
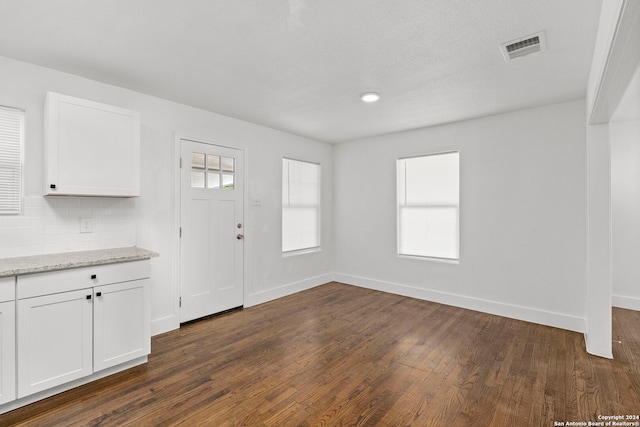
(94, 276)
(53, 186)
(88, 296)
(98, 294)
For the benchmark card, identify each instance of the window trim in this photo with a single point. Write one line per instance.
(21, 143)
(444, 260)
(310, 249)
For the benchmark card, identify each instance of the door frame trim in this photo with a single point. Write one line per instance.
(178, 137)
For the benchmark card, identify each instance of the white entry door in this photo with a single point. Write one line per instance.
(212, 227)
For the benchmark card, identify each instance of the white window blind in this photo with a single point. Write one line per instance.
(300, 205)
(428, 206)
(11, 140)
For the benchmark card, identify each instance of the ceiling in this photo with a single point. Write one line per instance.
(301, 65)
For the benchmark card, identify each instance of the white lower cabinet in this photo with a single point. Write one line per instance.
(55, 340)
(121, 324)
(7, 339)
(90, 319)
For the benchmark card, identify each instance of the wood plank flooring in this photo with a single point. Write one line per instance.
(342, 355)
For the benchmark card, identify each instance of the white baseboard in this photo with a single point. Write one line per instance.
(171, 322)
(630, 303)
(23, 401)
(164, 324)
(547, 318)
(288, 289)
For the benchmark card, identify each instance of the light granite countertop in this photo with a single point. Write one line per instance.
(61, 261)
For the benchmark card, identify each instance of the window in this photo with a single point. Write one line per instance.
(206, 171)
(300, 205)
(11, 143)
(428, 206)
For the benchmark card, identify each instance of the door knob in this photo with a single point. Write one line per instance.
(240, 236)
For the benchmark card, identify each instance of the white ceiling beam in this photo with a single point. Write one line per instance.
(616, 59)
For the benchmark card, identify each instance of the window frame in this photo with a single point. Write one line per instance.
(20, 163)
(318, 207)
(400, 185)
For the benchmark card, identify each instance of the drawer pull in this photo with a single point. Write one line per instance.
(88, 296)
(98, 294)
(93, 276)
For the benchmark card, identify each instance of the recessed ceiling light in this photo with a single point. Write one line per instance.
(370, 97)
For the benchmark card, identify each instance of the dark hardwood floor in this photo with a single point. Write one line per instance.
(342, 355)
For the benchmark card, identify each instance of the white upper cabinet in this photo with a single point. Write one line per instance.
(91, 149)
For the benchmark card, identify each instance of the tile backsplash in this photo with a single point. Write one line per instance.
(52, 224)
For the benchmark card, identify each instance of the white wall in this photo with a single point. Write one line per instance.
(522, 224)
(268, 274)
(523, 204)
(52, 224)
(625, 207)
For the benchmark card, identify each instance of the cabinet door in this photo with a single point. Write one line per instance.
(55, 344)
(121, 323)
(7, 351)
(91, 149)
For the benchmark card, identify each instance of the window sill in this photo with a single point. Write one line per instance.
(426, 258)
(301, 252)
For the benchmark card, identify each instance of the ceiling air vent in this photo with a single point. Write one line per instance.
(523, 46)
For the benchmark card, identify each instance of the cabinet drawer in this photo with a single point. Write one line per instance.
(7, 289)
(79, 278)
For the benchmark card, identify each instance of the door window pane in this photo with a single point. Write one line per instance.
(213, 180)
(197, 160)
(228, 164)
(227, 182)
(197, 179)
(213, 162)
